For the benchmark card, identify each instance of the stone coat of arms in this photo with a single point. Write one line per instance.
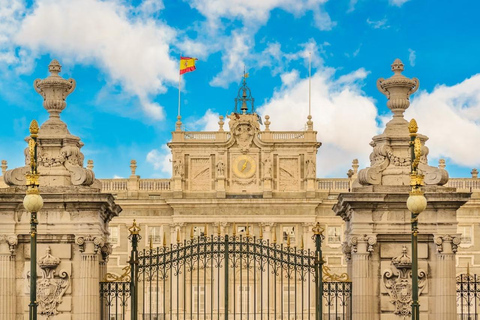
(398, 282)
(50, 287)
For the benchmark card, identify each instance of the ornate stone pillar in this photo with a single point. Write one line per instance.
(8, 245)
(445, 281)
(89, 299)
(362, 278)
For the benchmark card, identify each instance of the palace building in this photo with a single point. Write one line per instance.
(242, 180)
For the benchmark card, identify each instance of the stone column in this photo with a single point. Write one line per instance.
(267, 276)
(89, 299)
(220, 275)
(269, 286)
(7, 277)
(362, 278)
(176, 238)
(309, 244)
(445, 281)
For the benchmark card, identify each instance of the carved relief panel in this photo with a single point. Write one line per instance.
(200, 174)
(288, 174)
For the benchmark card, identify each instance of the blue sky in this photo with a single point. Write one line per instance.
(124, 57)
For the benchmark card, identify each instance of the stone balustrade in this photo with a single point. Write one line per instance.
(323, 184)
(154, 184)
(112, 185)
(223, 136)
(464, 184)
(334, 184)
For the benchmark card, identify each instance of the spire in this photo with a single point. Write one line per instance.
(244, 97)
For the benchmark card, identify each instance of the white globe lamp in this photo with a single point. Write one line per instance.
(416, 202)
(33, 202)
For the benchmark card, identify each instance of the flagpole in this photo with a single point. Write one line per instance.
(309, 83)
(179, 83)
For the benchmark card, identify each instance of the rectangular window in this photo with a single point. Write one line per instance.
(113, 236)
(198, 298)
(334, 235)
(198, 231)
(466, 232)
(155, 233)
(289, 232)
(242, 230)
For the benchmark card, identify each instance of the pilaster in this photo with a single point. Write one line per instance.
(445, 280)
(8, 244)
(89, 298)
(362, 278)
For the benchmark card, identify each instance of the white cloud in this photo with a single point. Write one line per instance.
(11, 13)
(412, 57)
(209, 122)
(378, 24)
(240, 54)
(237, 48)
(450, 117)
(233, 59)
(344, 131)
(118, 177)
(255, 13)
(134, 53)
(397, 3)
(161, 160)
(290, 78)
(351, 5)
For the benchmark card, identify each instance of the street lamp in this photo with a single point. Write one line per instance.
(33, 203)
(416, 203)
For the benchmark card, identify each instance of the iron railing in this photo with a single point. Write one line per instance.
(468, 297)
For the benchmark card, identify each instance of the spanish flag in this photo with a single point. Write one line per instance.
(187, 64)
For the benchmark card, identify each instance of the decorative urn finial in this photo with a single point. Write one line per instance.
(54, 90)
(398, 89)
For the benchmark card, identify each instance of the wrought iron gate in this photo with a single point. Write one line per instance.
(226, 277)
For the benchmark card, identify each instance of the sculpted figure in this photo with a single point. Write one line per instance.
(220, 168)
(310, 169)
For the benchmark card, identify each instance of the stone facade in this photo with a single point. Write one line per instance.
(243, 177)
